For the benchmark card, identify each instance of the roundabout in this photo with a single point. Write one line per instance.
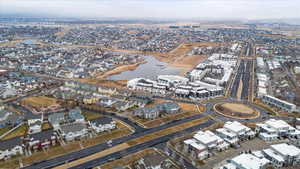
(236, 110)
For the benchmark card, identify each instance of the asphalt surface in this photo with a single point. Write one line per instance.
(136, 148)
(244, 73)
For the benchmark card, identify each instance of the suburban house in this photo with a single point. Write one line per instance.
(8, 118)
(35, 126)
(75, 115)
(55, 119)
(242, 131)
(140, 100)
(11, 147)
(123, 105)
(73, 131)
(210, 140)
(41, 140)
(154, 111)
(196, 149)
(283, 155)
(247, 161)
(229, 136)
(107, 102)
(103, 124)
(273, 129)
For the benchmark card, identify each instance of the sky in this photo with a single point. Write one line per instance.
(164, 9)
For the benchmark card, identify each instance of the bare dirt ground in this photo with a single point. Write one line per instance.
(236, 110)
(238, 107)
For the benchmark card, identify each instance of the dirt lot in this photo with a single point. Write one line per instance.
(128, 159)
(236, 110)
(39, 101)
(238, 107)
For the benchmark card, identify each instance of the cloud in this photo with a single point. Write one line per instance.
(250, 9)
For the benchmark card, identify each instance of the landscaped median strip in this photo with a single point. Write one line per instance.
(134, 142)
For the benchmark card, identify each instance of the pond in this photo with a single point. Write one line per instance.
(149, 70)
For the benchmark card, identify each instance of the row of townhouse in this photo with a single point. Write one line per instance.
(205, 142)
(196, 90)
(9, 118)
(277, 155)
(281, 104)
(79, 86)
(104, 96)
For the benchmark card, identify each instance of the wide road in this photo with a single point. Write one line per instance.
(244, 76)
(136, 148)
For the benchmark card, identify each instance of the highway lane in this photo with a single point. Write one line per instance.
(136, 148)
(246, 77)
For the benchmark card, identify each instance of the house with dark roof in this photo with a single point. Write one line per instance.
(56, 118)
(154, 111)
(73, 131)
(40, 140)
(103, 124)
(123, 105)
(75, 115)
(11, 147)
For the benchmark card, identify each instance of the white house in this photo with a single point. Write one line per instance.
(11, 147)
(103, 124)
(272, 129)
(239, 129)
(196, 149)
(229, 136)
(283, 154)
(246, 161)
(35, 126)
(210, 140)
(73, 131)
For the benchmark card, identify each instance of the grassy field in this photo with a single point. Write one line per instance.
(4, 130)
(20, 131)
(91, 115)
(46, 126)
